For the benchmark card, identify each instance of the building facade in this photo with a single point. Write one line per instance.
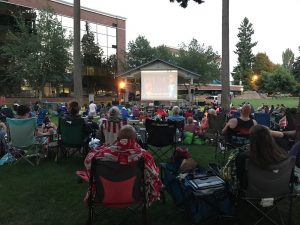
(109, 30)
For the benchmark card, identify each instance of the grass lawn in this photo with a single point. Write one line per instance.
(50, 194)
(287, 101)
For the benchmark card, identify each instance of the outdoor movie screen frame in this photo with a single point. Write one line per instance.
(159, 85)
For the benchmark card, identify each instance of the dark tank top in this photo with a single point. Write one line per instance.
(239, 136)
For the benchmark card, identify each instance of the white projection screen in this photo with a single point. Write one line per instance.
(159, 85)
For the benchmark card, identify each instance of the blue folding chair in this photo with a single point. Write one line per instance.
(262, 119)
(41, 116)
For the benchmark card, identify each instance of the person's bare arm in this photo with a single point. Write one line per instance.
(3, 127)
(281, 134)
(254, 122)
(232, 123)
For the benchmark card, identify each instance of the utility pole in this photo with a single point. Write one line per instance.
(77, 55)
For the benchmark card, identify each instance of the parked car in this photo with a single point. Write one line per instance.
(212, 99)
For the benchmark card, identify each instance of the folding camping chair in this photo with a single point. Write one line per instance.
(23, 140)
(161, 138)
(267, 187)
(72, 137)
(263, 118)
(116, 186)
(214, 132)
(41, 116)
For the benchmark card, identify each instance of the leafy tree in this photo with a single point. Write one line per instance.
(262, 63)
(38, 54)
(243, 70)
(280, 80)
(164, 53)
(200, 59)
(296, 68)
(288, 58)
(139, 52)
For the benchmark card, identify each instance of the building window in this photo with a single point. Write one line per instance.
(90, 71)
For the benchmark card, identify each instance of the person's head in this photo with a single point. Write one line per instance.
(74, 108)
(15, 107)
(23, 111)
(127, 132)
(176, 110)
(263, 149)
(91, 102)
(246, 110)
(190, 120)
(114, 112)
(212, 112)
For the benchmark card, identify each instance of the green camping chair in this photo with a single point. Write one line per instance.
(73, 137)
(23, 140)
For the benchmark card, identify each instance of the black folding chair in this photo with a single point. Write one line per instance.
(114, 186)
(267, 187)
(214, 132)
(161, 138)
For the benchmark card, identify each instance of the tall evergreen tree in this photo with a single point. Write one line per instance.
(243, 70)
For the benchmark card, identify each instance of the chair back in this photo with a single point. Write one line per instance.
(236, 114)
(118, 185)
(7, 112)
(71, 132)
(270, 182)
(161, 133)
(216, 123)
(22, 131)
(41, 116)
(262, 118)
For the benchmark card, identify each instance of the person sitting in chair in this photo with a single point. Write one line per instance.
(73, 114)
(126, 150)
(238, 129)
(23, 112)
(112, 126)
(263, 151)
(190, 126)
(175, 116)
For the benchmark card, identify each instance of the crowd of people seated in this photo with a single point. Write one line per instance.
(119, 143)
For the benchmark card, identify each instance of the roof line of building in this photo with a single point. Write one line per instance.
(90, 10)
(152, 61)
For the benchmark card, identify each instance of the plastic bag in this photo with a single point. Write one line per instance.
(7, 158)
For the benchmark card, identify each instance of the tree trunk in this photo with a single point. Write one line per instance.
(77, 55)
(225, 73)
(41, 93)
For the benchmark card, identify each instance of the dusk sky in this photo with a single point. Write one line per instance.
(275, 22)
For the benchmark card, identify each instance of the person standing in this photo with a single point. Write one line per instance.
(92, 109)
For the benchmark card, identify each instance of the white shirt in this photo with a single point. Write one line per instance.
(92, 108)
